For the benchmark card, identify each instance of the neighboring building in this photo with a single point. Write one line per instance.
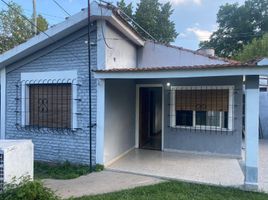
(144, 95)
(263, 99)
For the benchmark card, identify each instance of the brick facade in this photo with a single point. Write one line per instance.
(58, 146)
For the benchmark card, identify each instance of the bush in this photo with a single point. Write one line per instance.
(27, 190)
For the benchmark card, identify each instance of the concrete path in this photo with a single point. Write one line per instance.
(98, 183)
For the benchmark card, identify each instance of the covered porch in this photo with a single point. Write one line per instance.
(192, 145)
(197, 168)
(208, 169)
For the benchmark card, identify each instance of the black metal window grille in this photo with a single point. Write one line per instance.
(50, 105)
(207, 108)
(46, 106)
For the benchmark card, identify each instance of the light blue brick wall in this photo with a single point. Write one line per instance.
(73, 147)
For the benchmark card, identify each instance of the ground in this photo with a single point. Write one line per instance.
(179, 191)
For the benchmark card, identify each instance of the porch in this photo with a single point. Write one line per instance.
(199, 115)
(197, 168)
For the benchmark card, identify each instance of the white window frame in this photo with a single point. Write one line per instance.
(216, 128)
(51, 77)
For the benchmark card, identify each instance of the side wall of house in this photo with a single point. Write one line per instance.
(155, 55)
(69, 53)
(119, 118)
(264, 113)
(219, 142)
(120, 52)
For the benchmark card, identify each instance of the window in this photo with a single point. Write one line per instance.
(50, 105)
(48, 100)
(206, 107)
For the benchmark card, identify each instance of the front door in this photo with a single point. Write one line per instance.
(150, 118)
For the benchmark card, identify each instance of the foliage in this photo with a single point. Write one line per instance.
(66, 170)
(179, 191)
(238, 26)
(127, 9)
(257, 48)
(154, 17)
(27, 190)
(42, 24)
(14, 29)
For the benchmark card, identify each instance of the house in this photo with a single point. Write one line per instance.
(144, 95)
(263, 99)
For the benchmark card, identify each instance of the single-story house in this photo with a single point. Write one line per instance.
(144, 94)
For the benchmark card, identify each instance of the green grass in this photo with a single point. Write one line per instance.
(179, 191)
(43, 170)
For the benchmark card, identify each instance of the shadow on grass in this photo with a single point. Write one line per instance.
(66, 170)
(179, 191)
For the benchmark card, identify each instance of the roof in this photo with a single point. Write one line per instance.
(65, 28)
(258, 61)
(176, 68)
(198, 53)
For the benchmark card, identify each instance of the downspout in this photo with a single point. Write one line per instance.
(89, 87)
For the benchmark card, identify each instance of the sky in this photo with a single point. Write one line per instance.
(195, 20)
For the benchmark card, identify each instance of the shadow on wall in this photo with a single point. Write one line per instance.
(264, 113)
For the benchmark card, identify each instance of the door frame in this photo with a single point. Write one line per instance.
(137, 120)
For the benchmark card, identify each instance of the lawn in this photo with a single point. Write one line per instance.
(43, 170)
(179, 191)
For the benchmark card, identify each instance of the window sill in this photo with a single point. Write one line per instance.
(202, 128)
(45, 129)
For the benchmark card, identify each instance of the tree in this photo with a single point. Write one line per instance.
(257, 48)
(14, 29)
(154, 17)
(42, 24)
(128, 9)
(238, 25)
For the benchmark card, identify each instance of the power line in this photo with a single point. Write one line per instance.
(129, 18)
(102, 32)
(45, 14)
(25, 18)
(61, 7)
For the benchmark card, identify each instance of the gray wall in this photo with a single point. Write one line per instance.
(155, 55)
(119, 117)
(228, 143)
(264, 113)
(57, 146)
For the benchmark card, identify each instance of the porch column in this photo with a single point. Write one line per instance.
(3, 102)
(100, 121)
(252, 131)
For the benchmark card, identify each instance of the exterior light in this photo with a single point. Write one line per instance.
(168, 84)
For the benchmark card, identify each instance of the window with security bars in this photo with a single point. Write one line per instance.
(201, 107)
(50, 105)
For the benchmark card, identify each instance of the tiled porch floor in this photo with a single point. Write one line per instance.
(263, 170)
(189, 167)
(194, 168)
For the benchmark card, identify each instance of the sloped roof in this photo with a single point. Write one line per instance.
(258, 61)
(70, 25)
(198, 53)
(172, 68)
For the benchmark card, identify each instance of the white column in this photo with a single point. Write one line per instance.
(252, 131)
(3, 102)
(100, 121)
